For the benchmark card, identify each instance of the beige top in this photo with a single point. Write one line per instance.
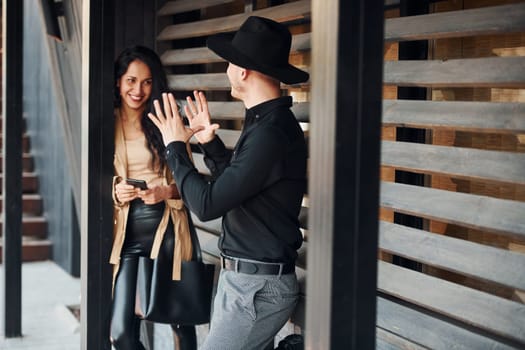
(140, 162)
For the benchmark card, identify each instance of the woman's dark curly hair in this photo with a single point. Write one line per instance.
(159, 85)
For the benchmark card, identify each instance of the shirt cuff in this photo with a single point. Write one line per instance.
(214, 147)
(179, 162)
(175, 147)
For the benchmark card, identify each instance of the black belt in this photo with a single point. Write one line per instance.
(255, 268)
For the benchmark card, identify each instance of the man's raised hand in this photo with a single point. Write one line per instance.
(199, 117)
(169, 121)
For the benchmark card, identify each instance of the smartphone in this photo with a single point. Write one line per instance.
(137, 183)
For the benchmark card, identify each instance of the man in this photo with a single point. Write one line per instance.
(257, 188)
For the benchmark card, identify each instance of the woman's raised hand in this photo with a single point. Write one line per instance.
(169, 121)
(199, 117)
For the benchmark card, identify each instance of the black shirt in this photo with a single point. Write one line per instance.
(257, 188)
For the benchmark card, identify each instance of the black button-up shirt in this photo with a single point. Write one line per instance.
(257, 188)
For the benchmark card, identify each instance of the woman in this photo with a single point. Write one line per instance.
(142, 218)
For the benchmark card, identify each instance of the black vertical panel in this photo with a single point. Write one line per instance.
(135, 24)
(411, 50)
(345, 115)
(97, 171)
(12, 17)
(74, 248)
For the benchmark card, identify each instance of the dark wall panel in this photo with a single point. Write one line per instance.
(135, 23)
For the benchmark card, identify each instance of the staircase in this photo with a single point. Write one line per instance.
(35, 245)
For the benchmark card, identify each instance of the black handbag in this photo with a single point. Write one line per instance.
(184, 302)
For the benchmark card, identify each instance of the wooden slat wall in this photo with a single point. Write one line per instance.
(471, 290)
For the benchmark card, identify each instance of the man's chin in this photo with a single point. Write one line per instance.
(234, 94)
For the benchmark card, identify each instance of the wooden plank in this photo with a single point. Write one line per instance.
(491, 313)
(204, 82)
(458, 162)
(468, 163)
(386, 340)
(298, 10)
(474, 22)
(300, 43)
(201, 55)
(228, 137)
(506, 72)
(180, 6)
(491, 264)
(235, 110)
(469, 116)
(430, 331)
(212, 226)
(210, 81)
(480, 72)
(221, 110)
(506, 117)
(468, 210)
(226, 110)
(198, 160)
(208, 243)
(301, 111)
(196, 55)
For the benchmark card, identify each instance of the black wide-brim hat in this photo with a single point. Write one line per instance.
(262, 45)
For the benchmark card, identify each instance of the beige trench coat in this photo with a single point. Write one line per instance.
(174, 210)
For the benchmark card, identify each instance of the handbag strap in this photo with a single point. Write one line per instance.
(196, 246)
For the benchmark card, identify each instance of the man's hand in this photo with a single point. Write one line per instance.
(155, 194)
(169, 121)
(199, 117)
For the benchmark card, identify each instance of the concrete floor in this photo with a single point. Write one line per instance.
(47, 323)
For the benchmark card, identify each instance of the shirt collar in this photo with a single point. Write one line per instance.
(264, 108)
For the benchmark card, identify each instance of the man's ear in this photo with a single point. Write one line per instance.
(244, 73)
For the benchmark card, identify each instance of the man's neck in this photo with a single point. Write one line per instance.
(259, 98)
(259, 91)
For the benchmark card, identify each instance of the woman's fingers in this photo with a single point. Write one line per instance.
(173, 105)
(159, 118)
(167, 107)
(158, 110)
(155, 120)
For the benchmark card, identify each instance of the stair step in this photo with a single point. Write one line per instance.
(29, 182)
(33, 249)
(32, 226)
(35, 245)
(27, 162)
(26, 142)
(31, 204)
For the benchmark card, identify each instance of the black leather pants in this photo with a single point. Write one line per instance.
(125, 325)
